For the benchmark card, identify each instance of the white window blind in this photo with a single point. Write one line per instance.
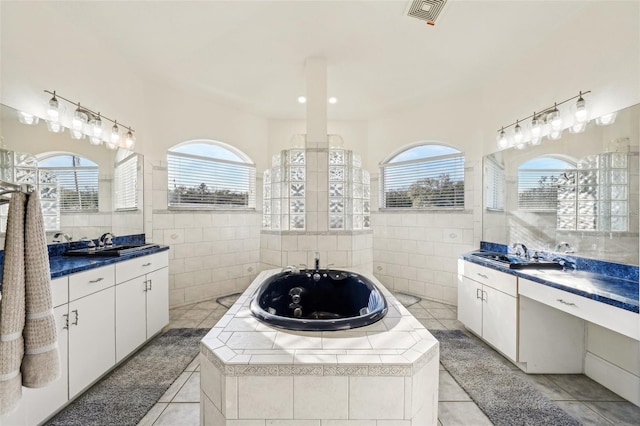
(197, 181)
(435, 182)
(494, 185)
(126, 183)
(78, 183)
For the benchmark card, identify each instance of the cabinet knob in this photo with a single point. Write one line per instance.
(75, 320)
(66, 321)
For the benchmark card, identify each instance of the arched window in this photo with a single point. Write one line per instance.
(538, 182)
(207, 173)
(77, 179)
(424, 176)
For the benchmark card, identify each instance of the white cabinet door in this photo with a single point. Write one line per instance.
(91, 338)
(157, 301)
(500, 320)
(470, 304)
(38, 404)
(131, 319)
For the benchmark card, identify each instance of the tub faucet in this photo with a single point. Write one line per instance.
(291, 269)
(565, 246)
(57, 238)
(521, 250)
(317, 260)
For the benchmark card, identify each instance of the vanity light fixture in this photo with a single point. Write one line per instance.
(548, 122)
(606, 119)
(85, 122)
(26, 118)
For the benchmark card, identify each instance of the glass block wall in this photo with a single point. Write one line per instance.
(21, 168)
(595, 197)
(349, 191)
(283, 206)
(285, 188)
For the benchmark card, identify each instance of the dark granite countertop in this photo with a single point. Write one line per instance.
(64, 265)
(619, 292)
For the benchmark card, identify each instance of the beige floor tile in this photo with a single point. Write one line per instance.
(184, 414)
(582, 388)
(452, 324)
(190, 391)
(584, 414)
(432, 324)
(547, 387)
(450, 390)
(175, 387)
(193, 365)
(442, 313)
(619, 413)
(461, 414)
(419, 312)
(153, 414)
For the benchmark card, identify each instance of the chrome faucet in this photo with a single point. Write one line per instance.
(291, 268)
(521, 250)
(317, 261)
(57, 238)
(105, 239)
(564, 245)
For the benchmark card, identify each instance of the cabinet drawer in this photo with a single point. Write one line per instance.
(616, 319)
(501, 281)
(141, 265)
(60, 291)
(91, 281)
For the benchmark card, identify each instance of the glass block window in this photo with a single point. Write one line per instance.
(126, 183)
(284, 190)
(349, 191)
(426, 176)
(546, 183)
(23, 168)
(210, 174)
(77, 178)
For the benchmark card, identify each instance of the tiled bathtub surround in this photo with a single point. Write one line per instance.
(385, 371)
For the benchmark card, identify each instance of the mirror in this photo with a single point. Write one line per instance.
(113, 204)
(581, 190)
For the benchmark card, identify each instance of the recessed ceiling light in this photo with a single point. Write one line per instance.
(302, 99)
(333, 100)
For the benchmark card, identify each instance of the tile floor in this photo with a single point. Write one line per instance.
(580, 396)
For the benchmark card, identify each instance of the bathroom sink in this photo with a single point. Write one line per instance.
(113, 251)
(516, 262)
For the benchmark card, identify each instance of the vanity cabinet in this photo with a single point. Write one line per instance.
(142, 301)
(488, 305)
(91, 326)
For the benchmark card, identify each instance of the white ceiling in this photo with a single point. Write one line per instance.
(378, 59)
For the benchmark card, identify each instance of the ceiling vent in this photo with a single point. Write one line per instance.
(427, 10)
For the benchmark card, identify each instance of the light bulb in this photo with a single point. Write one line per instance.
(536, 127)
(53, 110)
(581, 110)
(518, 135)
(55, 126)
(333, 100)
(93, 140)
(536, 141)
(607, 119)
(96, 126)
(578, 127)
(76, 134)
(555, 119)
(110, 145)
(555, 134)
(520, 145)
(129, 140)
(115, 134)
(302, 99)
(503, 143)
(79, 119)
(26, 118)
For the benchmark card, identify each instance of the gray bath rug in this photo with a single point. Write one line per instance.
(228, 301)
(125, 395)
(406, 299)
(506, 399)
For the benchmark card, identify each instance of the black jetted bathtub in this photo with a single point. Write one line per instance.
(322, 300)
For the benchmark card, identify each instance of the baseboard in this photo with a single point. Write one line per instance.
(612, 377)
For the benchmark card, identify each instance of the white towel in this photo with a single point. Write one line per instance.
(41, 364)
(12, 306)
